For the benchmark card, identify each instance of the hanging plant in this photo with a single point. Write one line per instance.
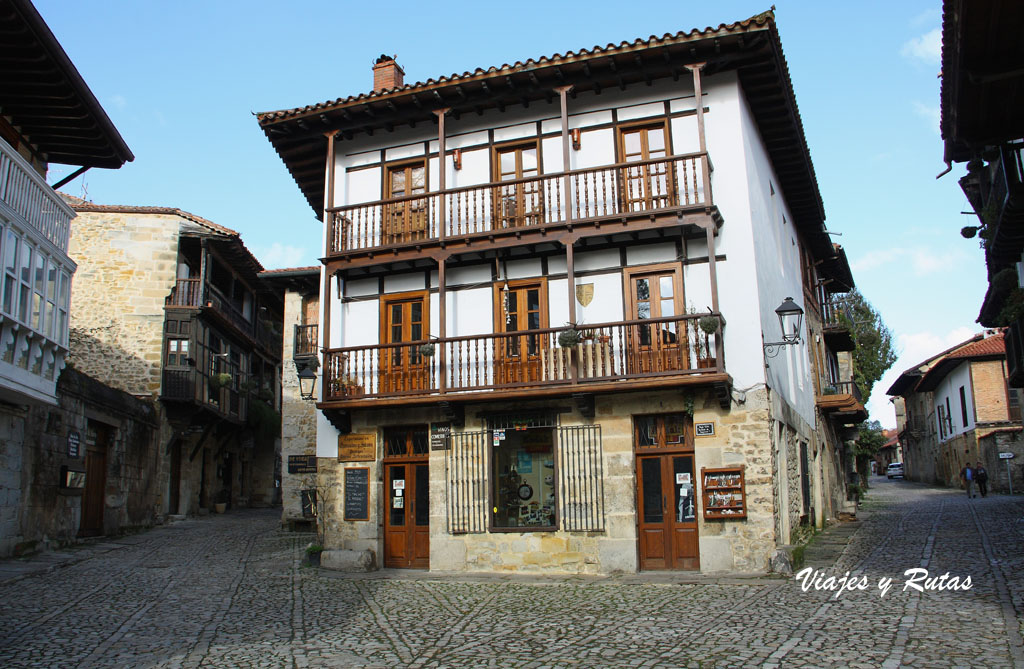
(969, 231)
(218, 381)
(427, 350)
(709, 324)
(569, 338)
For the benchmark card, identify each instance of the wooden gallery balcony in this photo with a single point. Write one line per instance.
(222, 394)
(191, 294)
(610, 357)
(836, 319)
(642, 194)
(842, 401)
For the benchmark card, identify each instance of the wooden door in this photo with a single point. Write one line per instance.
(404, 368)
(646, 186)
(406, 220)
(656, 347)
(97, 439)
(521, 307)
(407, 517)
(518, 204)
(667, 510)
(174, 485)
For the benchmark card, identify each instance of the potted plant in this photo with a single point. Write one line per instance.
(427, 350)
(313, 552)
(709, 324)
(220, 502)
(569, 337)
(350, 386)
(218, 381)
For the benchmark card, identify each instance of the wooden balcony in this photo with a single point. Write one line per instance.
(225, 400)
(305, 341)
(189, 293)
(611, 357)
(842, 401)
(643, 194)
(836, 319)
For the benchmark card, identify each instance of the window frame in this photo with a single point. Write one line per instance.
(493, 490)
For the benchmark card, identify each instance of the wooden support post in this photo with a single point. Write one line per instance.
(442, 171)
(563, 92)
(325, 296)
(442, 329)
(695, 68)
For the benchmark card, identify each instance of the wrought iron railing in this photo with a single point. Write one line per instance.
(612, 192)
(842, 388)
(835, 312)
(530, 358)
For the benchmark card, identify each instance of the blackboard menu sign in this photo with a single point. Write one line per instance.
(357, 493)
(302, 464)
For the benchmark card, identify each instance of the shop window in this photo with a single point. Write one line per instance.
(523, 473)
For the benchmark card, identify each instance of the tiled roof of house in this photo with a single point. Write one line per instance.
(79, 204)
(520, 66)
(993, 345)
(292, 270)
(990, 346)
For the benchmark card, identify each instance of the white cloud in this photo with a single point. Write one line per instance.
(914, 348)
(932, 15)
(929, 113)
(278, 256)
(922, 261)
(119, 101)
(926, 48)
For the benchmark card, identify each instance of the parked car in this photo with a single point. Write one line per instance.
(895, 469)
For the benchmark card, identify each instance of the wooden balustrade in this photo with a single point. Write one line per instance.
(532, 358)
(305, 340)
(186, 293)
(614, 191)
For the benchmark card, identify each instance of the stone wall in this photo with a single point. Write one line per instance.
(127, 268)
(35, 512)
(298, 422)
(1008, 440)
(741, 438)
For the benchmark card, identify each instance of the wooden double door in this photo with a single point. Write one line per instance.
(407, 517)
(667, 510)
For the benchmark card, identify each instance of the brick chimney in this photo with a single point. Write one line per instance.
(387, 74)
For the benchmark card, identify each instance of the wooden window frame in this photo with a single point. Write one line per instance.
(387, 299)
(499, 302)
(661, 445)
(640, 124)
(628, 273)
(511, 145)
(408, 456)
(404, 163)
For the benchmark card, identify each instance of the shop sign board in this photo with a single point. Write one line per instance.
(358, 447)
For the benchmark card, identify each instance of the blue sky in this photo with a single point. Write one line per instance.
(182, 80)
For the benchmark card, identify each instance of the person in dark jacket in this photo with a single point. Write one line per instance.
(981, 478)
(967, 476)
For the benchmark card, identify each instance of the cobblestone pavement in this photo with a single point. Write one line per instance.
(229, 591)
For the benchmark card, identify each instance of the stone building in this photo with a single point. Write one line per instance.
(169, 307)
(544, 343)
(959, 410)
(299, 288)
(48, 116)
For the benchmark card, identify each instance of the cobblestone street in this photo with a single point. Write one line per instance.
(229, 591)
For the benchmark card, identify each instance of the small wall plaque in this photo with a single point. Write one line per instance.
(439, 434)
(357, 447)
(74, 441)
(704, 429)
(302, 464)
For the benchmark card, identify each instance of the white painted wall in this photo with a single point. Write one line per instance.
(947, 393)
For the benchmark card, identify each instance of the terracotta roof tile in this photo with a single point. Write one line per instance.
(993, 345)
(79, 204)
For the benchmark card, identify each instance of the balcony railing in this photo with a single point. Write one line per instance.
(638, 349)
(612, 192)
(843, 388)
(28, 194)
(305, 341)
(228, 398)
(834, 308)
(186, 293)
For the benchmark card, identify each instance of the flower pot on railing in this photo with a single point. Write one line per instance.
(219, 381)
(708, 324)
(427, 350)
(569, 338)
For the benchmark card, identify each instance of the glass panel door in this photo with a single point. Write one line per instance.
(656, 347)
(522, 309)
(518, 204)
(645, 186)
(404, 368)
(406, 220)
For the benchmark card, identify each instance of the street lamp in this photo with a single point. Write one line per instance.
(307, 382)
(791, 318)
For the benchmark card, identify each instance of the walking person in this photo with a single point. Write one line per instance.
(967, 476)
(981, 477)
